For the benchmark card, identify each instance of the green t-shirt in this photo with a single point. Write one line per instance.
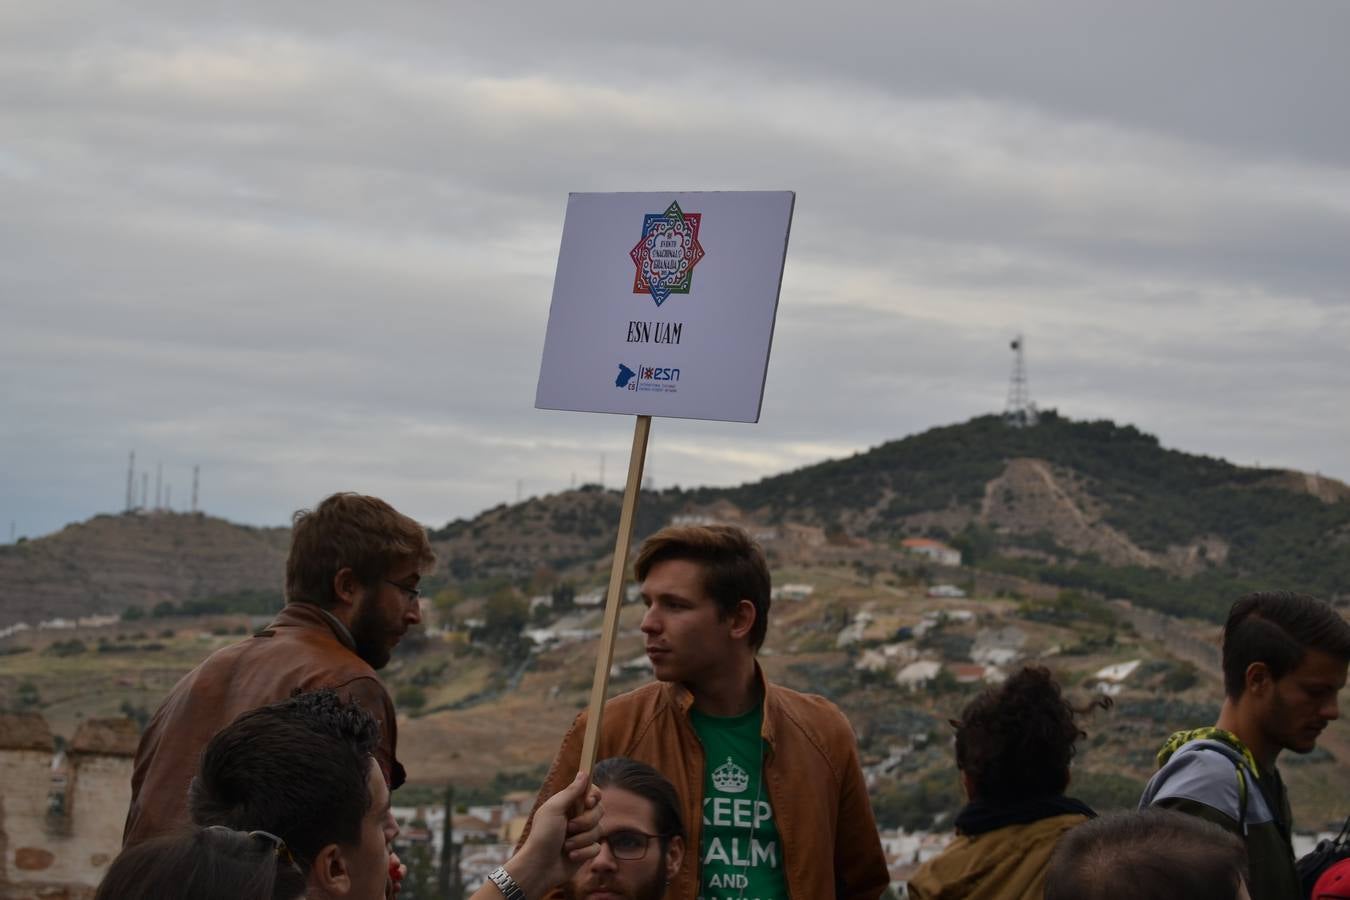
(739, 852)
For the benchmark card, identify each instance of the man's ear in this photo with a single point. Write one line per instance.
(674, 857)
(1258, 680)
(743, 619)
(347, 587)
(330, 873)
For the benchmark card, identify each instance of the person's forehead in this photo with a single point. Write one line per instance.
(1321, 667)
(404, 570)
(625, 809)
(379, 791)
(681, 575)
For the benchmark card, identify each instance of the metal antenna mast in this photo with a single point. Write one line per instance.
(131, 477)
(194, 487)
(1020, 411)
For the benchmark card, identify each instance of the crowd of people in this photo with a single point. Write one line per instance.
(267, 772)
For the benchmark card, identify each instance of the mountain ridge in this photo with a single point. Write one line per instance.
(1090, 505)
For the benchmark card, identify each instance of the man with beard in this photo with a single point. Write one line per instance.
(643, 844)
(351, 593)
(1284, 662)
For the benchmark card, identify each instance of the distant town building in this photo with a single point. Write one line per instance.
(590, 598)
(853, 632)
(793, 591)
(974, 673)
(945, 590)
(541, 637)
(872, 661)
(917, 674)
(693, 519)
(471, 829)
(641, 663)
(998, 646)
(1111, 679)
(937, 551)
(14, 629)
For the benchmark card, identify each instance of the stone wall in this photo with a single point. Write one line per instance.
(61, 816)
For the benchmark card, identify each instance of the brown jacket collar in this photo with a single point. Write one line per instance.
(681, 699)
(304, 614)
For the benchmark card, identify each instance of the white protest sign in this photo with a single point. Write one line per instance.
(664, 304)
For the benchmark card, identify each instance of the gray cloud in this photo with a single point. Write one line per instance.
(314, 250)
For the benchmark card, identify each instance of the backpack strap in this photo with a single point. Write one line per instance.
(1242, 799)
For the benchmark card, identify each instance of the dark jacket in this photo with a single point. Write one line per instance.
(1001, 851)
(304, 648)
(811, 772)
(1209, 773)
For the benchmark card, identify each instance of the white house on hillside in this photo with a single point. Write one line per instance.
(1111, 679)
(937, 551)
(917, 674)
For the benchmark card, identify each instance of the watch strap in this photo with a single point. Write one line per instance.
(506, 884)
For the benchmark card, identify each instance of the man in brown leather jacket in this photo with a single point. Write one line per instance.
(769, 780)
(351, 593)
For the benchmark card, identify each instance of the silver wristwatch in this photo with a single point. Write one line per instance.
(506, 884)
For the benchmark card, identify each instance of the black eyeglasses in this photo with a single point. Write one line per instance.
(628, 843)
(413, 593)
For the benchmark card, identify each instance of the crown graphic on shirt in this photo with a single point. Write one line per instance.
(730, 778)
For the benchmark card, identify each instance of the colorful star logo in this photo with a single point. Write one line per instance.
(666, 255)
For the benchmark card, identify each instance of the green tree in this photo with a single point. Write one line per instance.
(913, 804)
(505, 615)
(542, 581)
(564, 596)
(1180, 677)
(446, 599)
(28, 696)
(410, 697)
(420, 882)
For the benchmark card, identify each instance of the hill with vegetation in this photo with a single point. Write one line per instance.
(178, 561)
(1088, 505)
(1091, 506)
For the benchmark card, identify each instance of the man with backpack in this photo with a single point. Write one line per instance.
(1285, 657)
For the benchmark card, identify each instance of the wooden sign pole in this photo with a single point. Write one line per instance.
(614, 599)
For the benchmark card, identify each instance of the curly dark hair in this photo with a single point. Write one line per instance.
(1016, 740)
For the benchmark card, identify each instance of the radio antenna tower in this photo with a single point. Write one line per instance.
(131, 476)
(1020, 411)
(195, 469)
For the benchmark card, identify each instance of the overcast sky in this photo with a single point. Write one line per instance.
(310, 247)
